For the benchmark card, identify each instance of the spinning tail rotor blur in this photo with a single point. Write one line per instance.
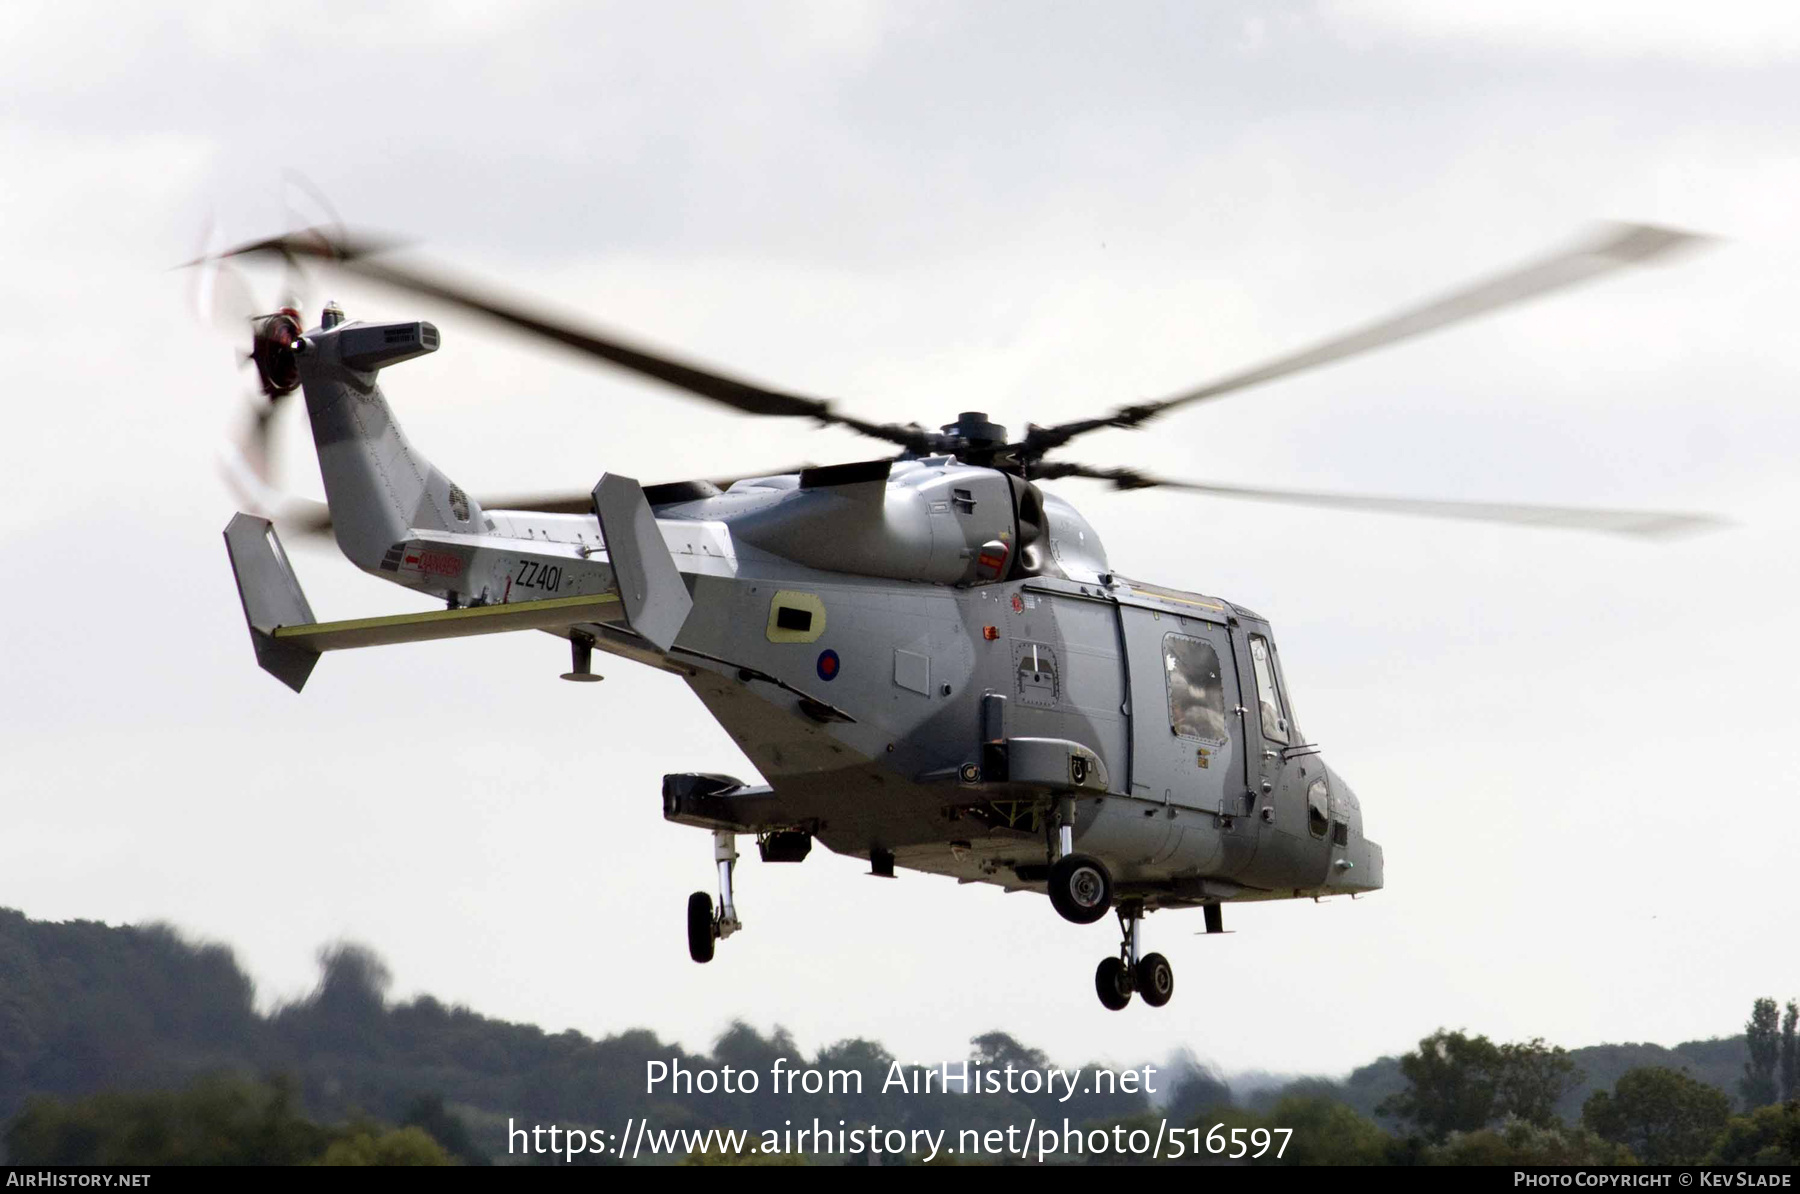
(225, 298)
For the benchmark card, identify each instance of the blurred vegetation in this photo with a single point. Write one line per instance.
(217, 1120)
(131, 1045)
(1519, 1142)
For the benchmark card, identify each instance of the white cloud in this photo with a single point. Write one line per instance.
(1755, 33)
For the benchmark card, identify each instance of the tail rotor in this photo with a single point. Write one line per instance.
(224, 298)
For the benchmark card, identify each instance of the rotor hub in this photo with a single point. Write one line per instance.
(974, 429)
(272, 351)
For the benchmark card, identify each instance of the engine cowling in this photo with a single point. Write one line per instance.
(931, 520)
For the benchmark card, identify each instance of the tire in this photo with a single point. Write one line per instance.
(1080, 889)
(700, 927)
(1113, 984)
(1155, 979)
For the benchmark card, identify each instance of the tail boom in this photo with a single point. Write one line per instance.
(379, 487)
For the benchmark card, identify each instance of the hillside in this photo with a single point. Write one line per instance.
(1718, 1062)
(87, 1007)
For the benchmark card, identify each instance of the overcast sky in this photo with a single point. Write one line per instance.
(1576, 750)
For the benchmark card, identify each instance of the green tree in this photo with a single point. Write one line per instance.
(1450, 1085)
(1530, 1079)
(374, 1145)
(1762, 1036)
(347, 1012)
(1790, 1052)
(1767, 1136)
(429, 1113)
(1194, 1088)
(996, 1050)
(1327, 1132)
(1517, 1142)
(1662, 1115)
(216, 1121)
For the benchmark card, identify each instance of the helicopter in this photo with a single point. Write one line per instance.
(928, 657)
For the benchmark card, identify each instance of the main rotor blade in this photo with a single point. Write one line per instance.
(351, 253)
(1646, 524)
(1612, 247)
(306, 518)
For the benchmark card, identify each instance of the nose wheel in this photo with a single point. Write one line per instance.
(705, 926)
(1116, 980)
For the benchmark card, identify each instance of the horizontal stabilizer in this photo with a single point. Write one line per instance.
(435, 624)
(289, 642)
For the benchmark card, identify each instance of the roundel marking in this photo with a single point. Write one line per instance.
(828, 665)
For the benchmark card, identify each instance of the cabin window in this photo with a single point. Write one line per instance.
(1196, 688)
(1268, 697)
(1318, 802)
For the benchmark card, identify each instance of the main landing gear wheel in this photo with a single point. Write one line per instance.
(1080, 888)
(1155, 979)
(1149, 975)
(700, 927)
(1113, 982)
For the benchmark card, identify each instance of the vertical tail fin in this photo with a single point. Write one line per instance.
(378, 486)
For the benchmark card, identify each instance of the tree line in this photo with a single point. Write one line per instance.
(132, 1045)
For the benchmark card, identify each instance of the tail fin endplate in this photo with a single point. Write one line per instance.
(656, 599)
(271, 597)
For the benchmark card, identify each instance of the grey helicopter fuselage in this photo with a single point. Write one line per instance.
(930, 662)
(929, 659)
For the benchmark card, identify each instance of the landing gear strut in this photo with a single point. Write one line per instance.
(705, 928)
(1080, 886)
(1149, 975)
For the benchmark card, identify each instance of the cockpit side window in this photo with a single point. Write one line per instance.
(1196, 690)
(1295, 734)
(1318, 807)
(1268, 696)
